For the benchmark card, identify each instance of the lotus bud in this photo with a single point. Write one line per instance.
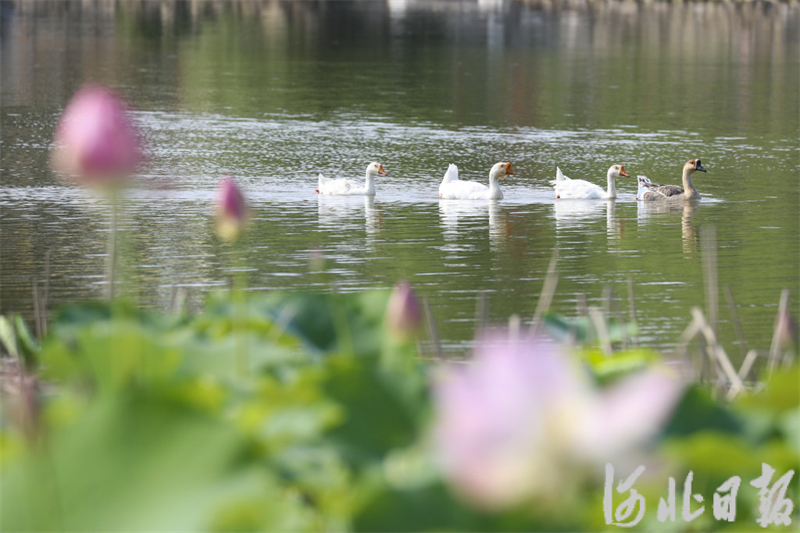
(403, 312)
(96, 143)
(231, 210)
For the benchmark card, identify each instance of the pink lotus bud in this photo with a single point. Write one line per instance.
(95, 140)
(403, 313)
(231, 209)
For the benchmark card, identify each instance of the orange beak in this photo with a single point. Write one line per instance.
(508, 169)
(622, 171)
(380, 170)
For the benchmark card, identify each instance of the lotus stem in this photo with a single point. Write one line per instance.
(434, 333)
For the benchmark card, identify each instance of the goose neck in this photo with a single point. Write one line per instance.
(494, 188)
(369, 182)
(612, 187)
(688, 187)
(494, 183)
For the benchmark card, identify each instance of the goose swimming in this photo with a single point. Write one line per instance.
(584, 190)
(453, 188)
(345, 187)
(652, 192)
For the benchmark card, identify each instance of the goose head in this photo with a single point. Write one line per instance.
(617, 171)
(693, 165)
(373, 169)
(501, 170)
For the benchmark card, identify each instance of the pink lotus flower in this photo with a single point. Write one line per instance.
(403, 313)
(95, 140)
(231, 209)
(523, 417)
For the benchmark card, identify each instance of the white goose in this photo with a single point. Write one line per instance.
(582, 189)
(454, 189)
(345, 187)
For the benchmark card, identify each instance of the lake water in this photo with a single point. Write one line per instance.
(276, 92)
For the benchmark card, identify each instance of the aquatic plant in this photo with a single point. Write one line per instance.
(231, 210)
(524, 419)
(143, 420)
(404, 313)
(96, 143)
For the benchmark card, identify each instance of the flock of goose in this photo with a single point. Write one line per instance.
(456, 189)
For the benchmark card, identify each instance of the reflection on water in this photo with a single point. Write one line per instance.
(349, 214)
(611, 63)
(577, 213)
(668, 210)
(458, 217)
(584, 213)
(453, 211)
(614, 227)
(275, 92)
(499, 228)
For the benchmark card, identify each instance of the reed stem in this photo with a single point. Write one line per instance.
(112, 249)
(432, 331)
(37, 314)
(737, 324)
(548, 290)
(599, 321)
(481, 312)
(775, 347)
(632, 310)
(46, 296)
(747, 364)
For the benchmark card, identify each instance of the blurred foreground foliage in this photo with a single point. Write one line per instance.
(302, 412)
